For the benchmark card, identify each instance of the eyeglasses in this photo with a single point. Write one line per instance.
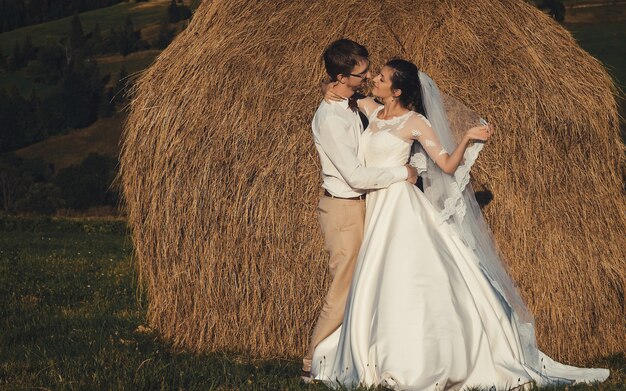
(361, 75)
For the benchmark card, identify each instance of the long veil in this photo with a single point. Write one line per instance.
(453, 197)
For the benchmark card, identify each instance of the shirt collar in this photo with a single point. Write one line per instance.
(342, 103)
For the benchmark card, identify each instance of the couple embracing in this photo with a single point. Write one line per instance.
(419, 298)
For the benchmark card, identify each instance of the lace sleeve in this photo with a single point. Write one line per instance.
(368, 105)
(422, 131)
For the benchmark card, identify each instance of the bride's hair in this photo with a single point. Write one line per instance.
(405, 77)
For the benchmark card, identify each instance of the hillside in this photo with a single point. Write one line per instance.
(146, 17)
(601, 30)
(70, 149)
(142, 14)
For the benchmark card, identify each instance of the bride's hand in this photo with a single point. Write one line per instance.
(328, 92)
(479, 133)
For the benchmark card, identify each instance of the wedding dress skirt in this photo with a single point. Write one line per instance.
(420, 314)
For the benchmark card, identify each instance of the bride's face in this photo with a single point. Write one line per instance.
(381, 84)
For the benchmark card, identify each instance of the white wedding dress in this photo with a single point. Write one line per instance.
(420, 314)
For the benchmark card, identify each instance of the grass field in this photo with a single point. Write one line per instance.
(72, 318)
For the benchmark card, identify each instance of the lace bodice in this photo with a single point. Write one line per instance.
(382, 146)
(385, 147)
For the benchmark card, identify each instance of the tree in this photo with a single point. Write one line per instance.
(11, 185)
(22, 54)
(37, 169)
(13, 182)
(88, 184)
(127, 38)
(94, 43)
(36, 71)
(35, 11)
(555, 8)
(52, 57)
(52, 113)
(164, 37)
(4, 66)
(12, 117)
(81, 93)
(40, 198)
(172, 12)
(16, 60)
(7, 122)
(76, 41)
(31, 126)
(77, 36)
(110, 42)
(184, 12)
(29, 52)
(13, 14)
(175, 13)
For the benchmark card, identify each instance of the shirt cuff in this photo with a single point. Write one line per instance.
(400, 173)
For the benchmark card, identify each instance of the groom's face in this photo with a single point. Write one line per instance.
(358, 76)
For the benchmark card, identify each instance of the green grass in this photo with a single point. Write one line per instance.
(142, 14)
(72, 318)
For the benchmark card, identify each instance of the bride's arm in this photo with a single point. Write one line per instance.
(448, 162)
(326, 87)
(367, 104)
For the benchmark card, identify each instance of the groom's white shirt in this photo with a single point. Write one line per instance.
(337, 135)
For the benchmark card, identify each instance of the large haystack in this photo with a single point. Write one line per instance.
(221, 177)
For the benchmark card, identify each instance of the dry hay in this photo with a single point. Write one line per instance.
(221, 178)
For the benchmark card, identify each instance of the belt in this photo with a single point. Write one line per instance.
(357, 198)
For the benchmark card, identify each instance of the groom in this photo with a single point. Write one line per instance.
(337, 132)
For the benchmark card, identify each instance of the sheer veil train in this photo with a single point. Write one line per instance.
(454, 199)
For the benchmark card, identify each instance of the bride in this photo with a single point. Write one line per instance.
(430, 306)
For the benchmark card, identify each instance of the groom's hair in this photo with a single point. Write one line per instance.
(341, 56)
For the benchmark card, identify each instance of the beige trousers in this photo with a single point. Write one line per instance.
(341, 222)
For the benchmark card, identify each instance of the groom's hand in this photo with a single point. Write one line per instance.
(412, 174)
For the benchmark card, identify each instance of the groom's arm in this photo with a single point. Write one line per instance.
(336, 139)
